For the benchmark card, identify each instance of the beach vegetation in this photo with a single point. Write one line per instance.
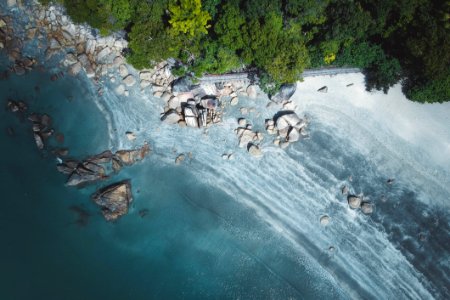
(393, 41)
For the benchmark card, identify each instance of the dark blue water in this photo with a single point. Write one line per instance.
(195, 242)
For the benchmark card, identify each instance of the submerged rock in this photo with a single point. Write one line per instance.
(354, 202)
(180, 158)
(324, 220)
(114, 199)
(367, 208)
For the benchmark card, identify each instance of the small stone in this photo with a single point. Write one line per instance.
(123, 71)
(344, 190)
(157, 94)
(180, 158)
(323, 89)
(120, 90)
(231, 156)
(129, 80)
(242, 122)
(244, 110)
(225, 156)
(324, 220)
(234, 101)
(367, 208)
(131, 136)
(354, 202)
(252, 91)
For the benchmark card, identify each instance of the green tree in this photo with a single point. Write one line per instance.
(230, 26)
(187, 17)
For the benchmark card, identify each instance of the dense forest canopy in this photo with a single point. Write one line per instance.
(392, 40)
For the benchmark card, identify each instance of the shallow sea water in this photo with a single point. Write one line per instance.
(195, 242)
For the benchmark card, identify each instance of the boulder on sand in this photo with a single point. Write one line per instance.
(114, 199)
(285, 93)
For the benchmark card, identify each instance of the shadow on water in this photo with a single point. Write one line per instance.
(82, 215)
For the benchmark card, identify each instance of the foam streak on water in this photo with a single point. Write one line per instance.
(291, 189)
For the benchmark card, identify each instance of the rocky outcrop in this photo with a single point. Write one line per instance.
(114, 199)
(130, 157)
(41, 128)
(95, 167)
(85, 173)
(288, 127)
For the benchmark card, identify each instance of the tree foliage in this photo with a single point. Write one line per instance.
(187, 16)
(392, 40)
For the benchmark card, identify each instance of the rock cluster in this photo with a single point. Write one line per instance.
(249, 138)
(189, 105)
(96, 167)
(356, 202)
(114, 199)
(56, 34)
(288, 127)
(13, 47)
(16, 106)
(41, 128)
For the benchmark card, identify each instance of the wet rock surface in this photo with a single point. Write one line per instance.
(114, 199)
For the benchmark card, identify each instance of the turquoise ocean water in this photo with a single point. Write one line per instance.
(214, 229)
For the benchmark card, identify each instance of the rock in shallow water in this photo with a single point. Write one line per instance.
(367, 208)
(114, 199)
(254, 150)
(324, 220)
(354, 202)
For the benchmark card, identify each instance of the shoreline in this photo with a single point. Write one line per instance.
(292, 191)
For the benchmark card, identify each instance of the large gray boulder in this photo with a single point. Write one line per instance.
(171, 117)
(182, 85)
(285, 93)
(114, 199)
